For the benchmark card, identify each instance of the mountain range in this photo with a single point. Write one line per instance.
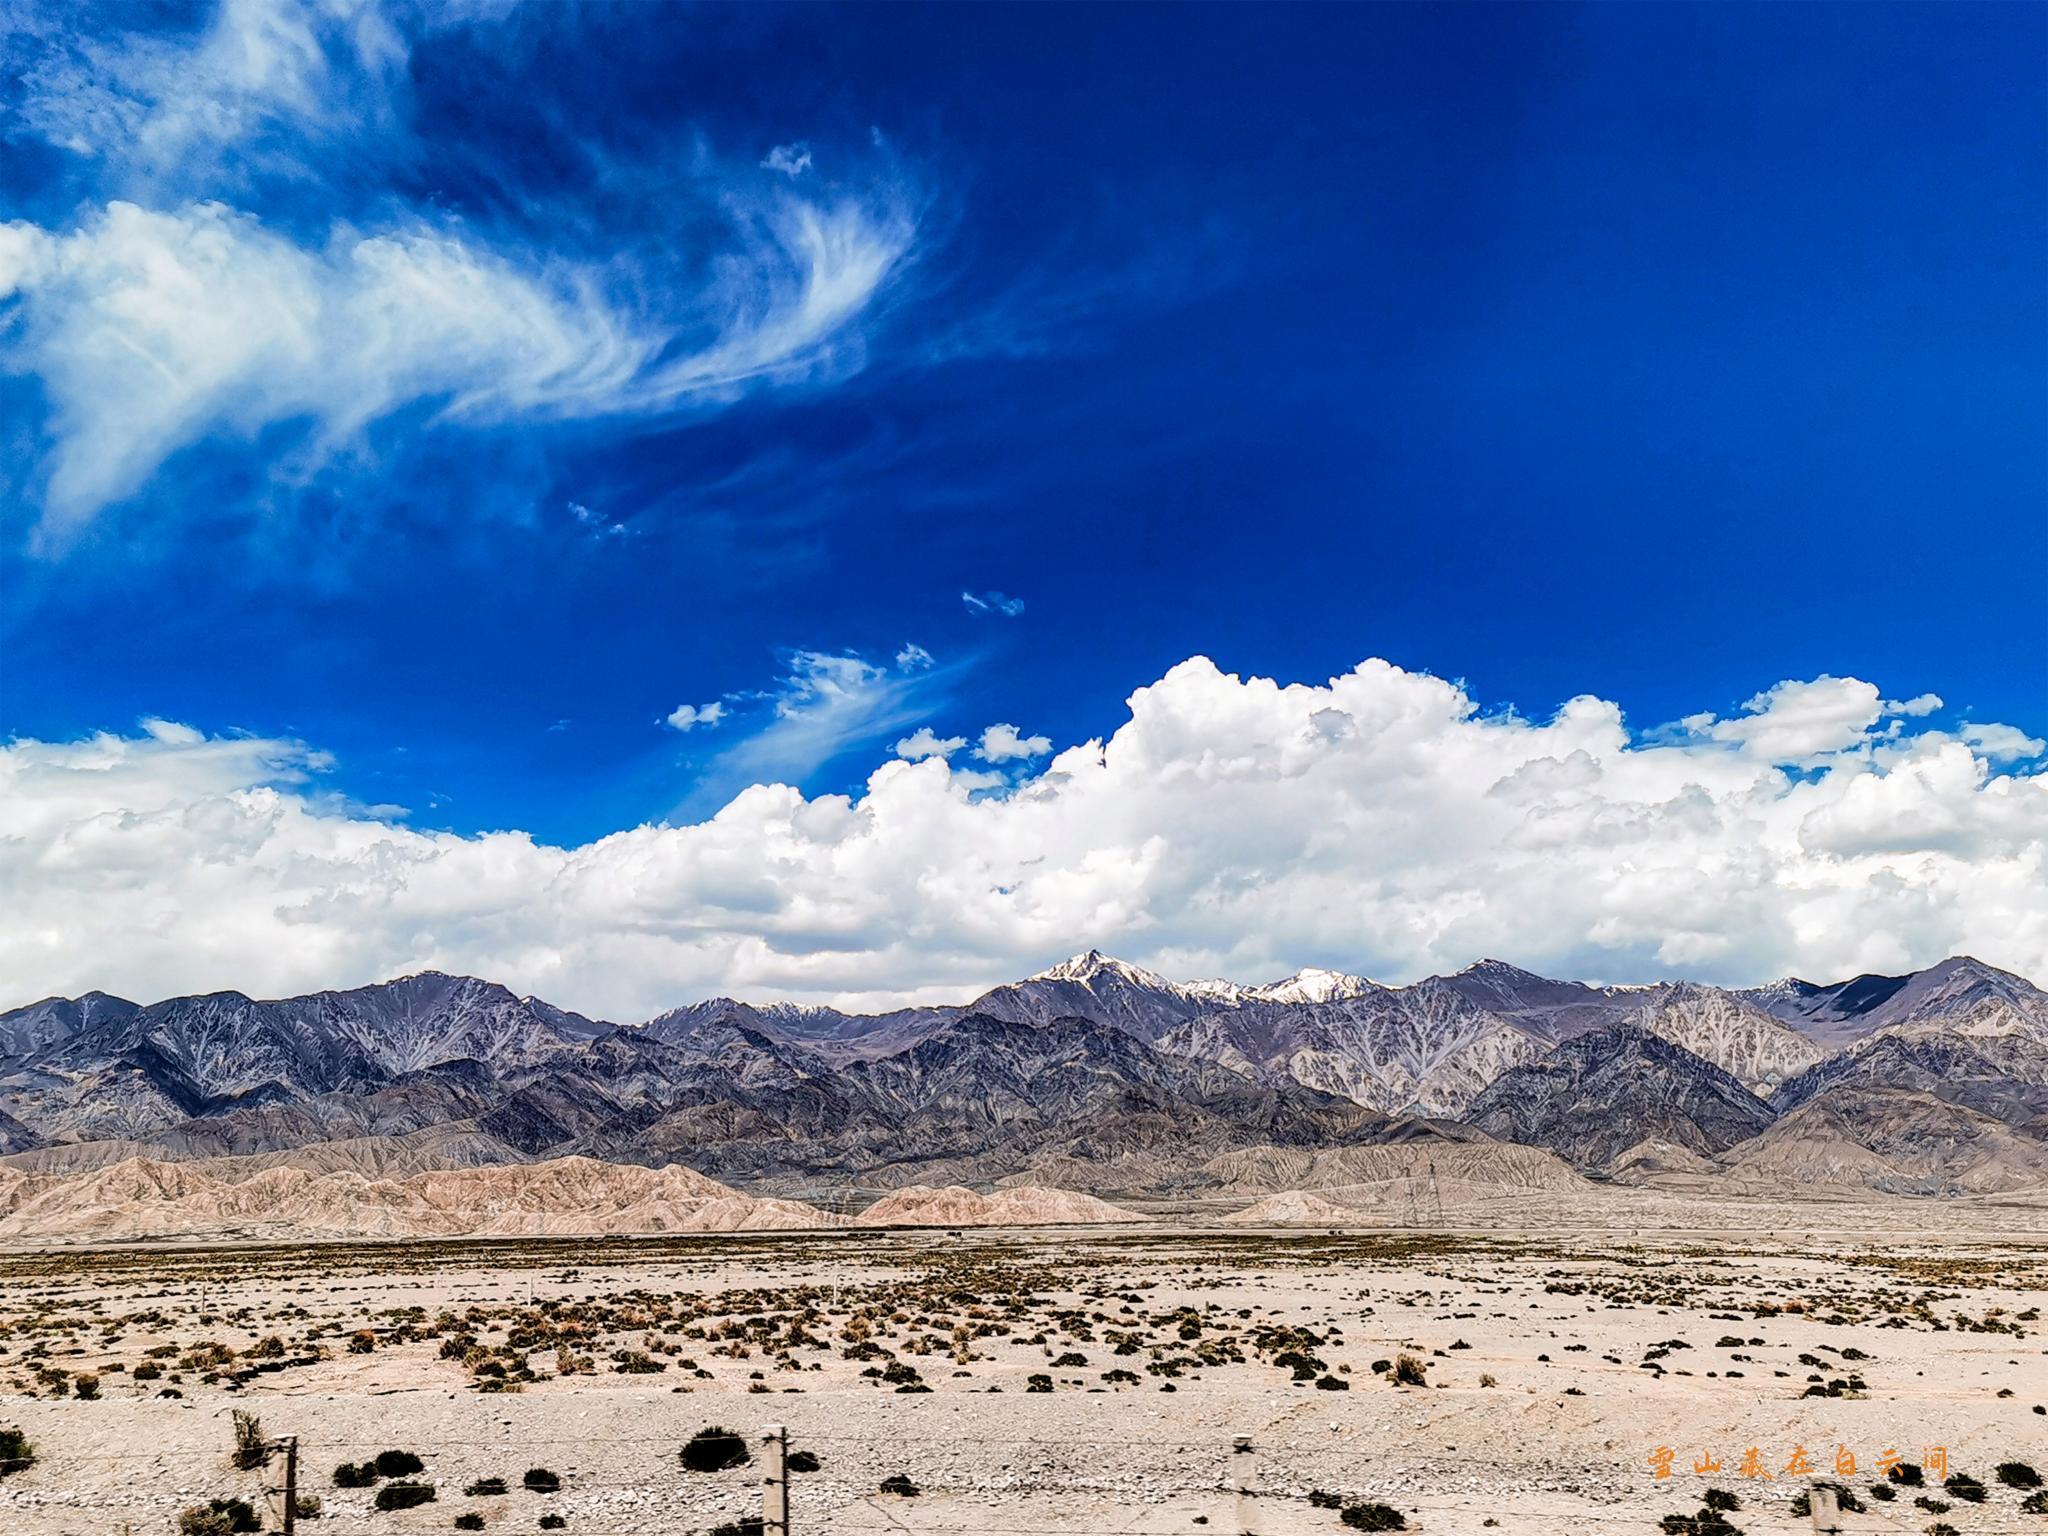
(1094, 1074)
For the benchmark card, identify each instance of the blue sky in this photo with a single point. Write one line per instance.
(1658, 352)
(465, 391)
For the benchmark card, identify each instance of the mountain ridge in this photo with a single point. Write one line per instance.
(1093, 1066)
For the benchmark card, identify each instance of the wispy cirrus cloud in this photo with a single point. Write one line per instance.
(157, 105)
(150, 330)
(823, 706)
(161, 317)
(992, 602)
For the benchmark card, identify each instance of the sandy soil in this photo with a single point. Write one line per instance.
(1601, 1348)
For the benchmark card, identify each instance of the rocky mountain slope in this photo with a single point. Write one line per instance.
(2005, 1076)
(1736, 1036)
(1602, 1092)
(1551, 1010)
(1423, 1050)
(1893, 1140)
(54, 1020)
(1094, 1074)
(1960, 994)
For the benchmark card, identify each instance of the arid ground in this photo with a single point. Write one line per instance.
(1086, 1380)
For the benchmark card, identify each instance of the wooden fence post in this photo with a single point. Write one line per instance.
(1244, 1466)
(775, 1482)
(291, 1484)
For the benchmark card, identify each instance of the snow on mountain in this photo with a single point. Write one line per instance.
(1310, 985)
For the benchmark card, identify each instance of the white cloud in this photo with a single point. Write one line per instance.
(159, 102)
(2002, 743)
(687, 717)
(151, 330)
(992, 602)
(1229, 826)
(923, 742)
(1003, 744)
(600, 526)
(914, 658)
(792, 160)
(1794, 721)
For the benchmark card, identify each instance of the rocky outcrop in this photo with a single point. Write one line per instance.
(1600, 1093)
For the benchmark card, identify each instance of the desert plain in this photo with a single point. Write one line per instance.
(1564, 1369)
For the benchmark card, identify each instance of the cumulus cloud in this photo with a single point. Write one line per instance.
(1229, 825)
(992, 602)
(1004, 744)
(687, 717)
(1795, 721)
(924, 742)
(2002, 743)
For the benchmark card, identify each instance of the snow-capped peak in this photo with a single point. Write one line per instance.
(1311, 984)
(1094, 963)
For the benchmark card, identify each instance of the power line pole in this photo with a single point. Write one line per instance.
(775, 1481)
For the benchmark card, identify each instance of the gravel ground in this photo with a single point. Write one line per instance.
(1689, 1344)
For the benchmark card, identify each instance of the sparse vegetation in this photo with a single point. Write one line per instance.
(221, 1517)
(715, 1449)
(403, 1495)
(1372, 1517)
(16, 1452)
(251, 1449)
(1409, 1371)
(995, 1317)
(1965, 1487)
